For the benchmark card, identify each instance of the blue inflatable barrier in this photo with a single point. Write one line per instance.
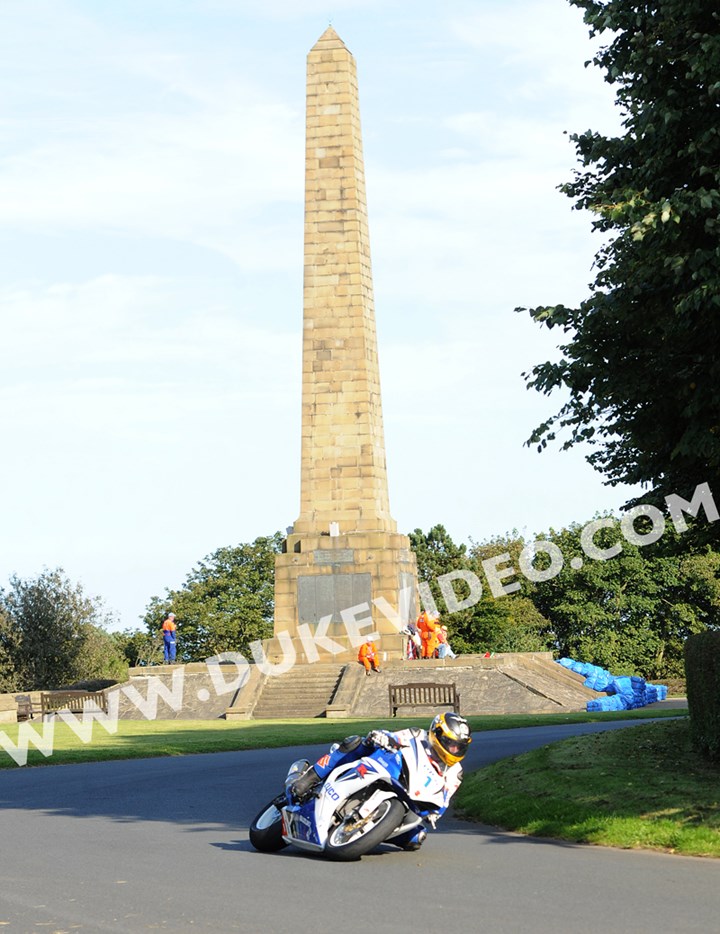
(625, 692)
(606, 703)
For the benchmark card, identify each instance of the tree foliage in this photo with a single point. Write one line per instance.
(510, 624)
(52, 634)
(9, 644)
(702, 671)
(139, 647)
(436, 554)
(642, 363)
(630, 613)
(226, 602)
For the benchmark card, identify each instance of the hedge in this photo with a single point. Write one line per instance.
(702, 674)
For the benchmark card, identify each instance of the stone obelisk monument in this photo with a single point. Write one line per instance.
(346, 571)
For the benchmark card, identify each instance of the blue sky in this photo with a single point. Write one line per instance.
(151, 198)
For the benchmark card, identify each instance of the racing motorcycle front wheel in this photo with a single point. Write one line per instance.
(266, 828)
(354, 835)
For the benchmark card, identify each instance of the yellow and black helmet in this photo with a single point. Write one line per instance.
(449, 736)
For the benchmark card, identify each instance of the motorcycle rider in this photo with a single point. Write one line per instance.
(446, 742)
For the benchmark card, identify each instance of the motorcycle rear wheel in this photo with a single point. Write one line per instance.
(353, 837)
(266, 829)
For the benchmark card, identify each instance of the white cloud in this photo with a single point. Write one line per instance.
(109, 326)
(122, 132)
(200, 178)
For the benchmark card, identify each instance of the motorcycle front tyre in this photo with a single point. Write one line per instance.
(266, 829)
(346, 844)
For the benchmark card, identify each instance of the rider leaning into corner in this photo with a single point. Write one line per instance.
(446, 742)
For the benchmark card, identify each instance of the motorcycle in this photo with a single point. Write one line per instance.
(388, 795)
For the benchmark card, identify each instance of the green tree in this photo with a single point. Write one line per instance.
(437, 554)
(52, 634)
(510, 623)
(139, 647)
(632, 612)
(9, 644)
(99, 658)
(226, 602)
(642, 362)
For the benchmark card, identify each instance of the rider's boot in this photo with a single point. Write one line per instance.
(346, 750)
(302, 786)
(411, 841)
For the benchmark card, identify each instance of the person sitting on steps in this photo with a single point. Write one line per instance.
(368, 656)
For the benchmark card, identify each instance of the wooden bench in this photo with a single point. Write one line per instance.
(74, 701)
(25, 709)
(423, 694)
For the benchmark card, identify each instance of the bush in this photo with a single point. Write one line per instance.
(702, 674)
(51, 633)
(97, 684)
(676, 687)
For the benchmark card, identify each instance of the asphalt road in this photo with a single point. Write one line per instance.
(162, 845)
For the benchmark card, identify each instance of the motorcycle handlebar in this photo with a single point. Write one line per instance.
(387, 741)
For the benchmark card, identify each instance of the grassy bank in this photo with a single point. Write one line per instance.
(640, 788)
(143, 738)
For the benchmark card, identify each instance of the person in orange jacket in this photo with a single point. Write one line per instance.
(428, 626)
(368, 656)
(169, 634)
(432, 642)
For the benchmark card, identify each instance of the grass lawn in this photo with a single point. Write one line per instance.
(136, 739)
(639, 788)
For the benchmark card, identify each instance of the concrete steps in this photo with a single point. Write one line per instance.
(304, 691)
(505, 683)
(548, 679)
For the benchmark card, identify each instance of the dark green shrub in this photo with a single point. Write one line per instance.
(96, 684)
(675, 687)
(702, 674)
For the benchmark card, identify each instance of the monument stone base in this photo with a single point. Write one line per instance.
(332, 591)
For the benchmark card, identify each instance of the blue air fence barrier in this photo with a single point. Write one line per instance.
(625, 692)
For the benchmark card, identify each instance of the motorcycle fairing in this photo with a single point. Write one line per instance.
(308, 825)
(407, 774)
(424, 784)
(299, 828)
(354, 771)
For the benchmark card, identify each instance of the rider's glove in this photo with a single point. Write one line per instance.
(380, 739)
